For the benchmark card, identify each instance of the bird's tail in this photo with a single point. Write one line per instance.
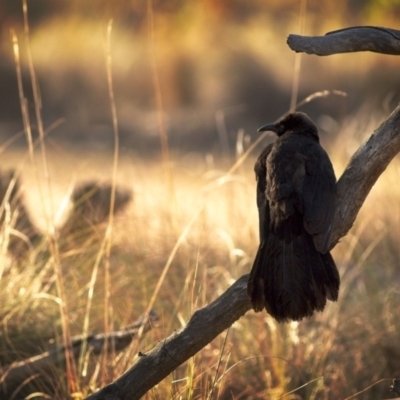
(290, 278)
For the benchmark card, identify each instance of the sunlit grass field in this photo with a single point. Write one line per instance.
(199, 221)
(191, 228)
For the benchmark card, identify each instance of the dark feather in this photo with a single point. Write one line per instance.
(293, 273)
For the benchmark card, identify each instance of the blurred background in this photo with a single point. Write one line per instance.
(219, 66)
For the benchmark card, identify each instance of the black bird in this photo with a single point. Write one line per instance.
(293, 273)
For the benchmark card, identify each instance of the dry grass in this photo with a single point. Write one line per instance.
(199, 226)
(349, 346)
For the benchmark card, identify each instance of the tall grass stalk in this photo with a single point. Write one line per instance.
(72, 381)
(160, 113)
(104, 252)
(109, 230)
(215, 381)
(298, 58)
(353, 396)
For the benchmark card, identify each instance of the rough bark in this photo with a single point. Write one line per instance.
(363, 170)
(204, 325)
(348, 40)
(208, 322)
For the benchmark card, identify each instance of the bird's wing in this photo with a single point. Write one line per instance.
(259, 273)
(319, 197)
(260, 168)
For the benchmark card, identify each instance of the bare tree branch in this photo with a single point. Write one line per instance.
(42, 365)
(204, 325)
(208, 322)
(358, 38)
(363, 170)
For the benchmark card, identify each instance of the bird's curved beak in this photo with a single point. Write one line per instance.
(268, 127)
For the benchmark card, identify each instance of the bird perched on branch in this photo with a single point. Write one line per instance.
(293, 273)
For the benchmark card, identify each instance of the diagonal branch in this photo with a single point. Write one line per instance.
(363, 170)
(357, 38)
(204, 325)
(208, 322)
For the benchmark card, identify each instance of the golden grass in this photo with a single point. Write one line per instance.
(200, 227)
(338, 352)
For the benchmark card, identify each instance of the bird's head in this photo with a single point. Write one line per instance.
(296, 122)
